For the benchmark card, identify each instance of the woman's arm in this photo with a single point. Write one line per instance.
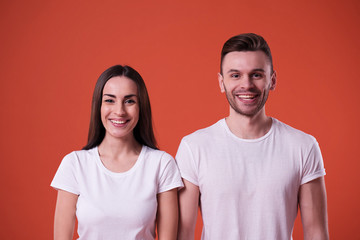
(65, 215)
(167, 215)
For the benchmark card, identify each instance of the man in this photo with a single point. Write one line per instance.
(250, 172)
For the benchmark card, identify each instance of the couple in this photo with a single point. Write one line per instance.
(248, 172)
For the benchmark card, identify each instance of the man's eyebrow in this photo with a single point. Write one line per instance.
(253, 70)
(232, 70)
(258, 70)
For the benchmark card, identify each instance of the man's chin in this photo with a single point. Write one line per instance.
(246, 113)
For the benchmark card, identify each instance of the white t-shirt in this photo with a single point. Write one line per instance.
(249, 187)
(117, 205)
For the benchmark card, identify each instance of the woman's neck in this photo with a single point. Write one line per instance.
(115, 147)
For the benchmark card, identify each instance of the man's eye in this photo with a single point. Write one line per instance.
(235, 75)
(256, 75)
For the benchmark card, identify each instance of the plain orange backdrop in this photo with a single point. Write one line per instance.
(52, 52)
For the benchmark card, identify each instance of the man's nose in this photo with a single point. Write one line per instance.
(246, 82)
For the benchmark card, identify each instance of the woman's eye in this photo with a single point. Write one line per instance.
(109, 100)
(129, 101)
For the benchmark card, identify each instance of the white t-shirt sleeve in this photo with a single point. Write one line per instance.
(185, 161)
(65, 177)
(313, 166)
(169, 177)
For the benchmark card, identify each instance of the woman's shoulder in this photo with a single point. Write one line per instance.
(164, 165)
(157, 154)
(80, 155)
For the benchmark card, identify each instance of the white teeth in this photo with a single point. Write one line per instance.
(118, 122)
(246, 96)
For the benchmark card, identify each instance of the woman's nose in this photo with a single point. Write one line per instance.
(120, 109)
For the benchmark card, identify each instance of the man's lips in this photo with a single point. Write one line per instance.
(246, 96)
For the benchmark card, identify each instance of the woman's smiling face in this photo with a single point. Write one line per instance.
(119, 107)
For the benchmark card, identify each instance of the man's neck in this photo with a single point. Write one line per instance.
(249, 127)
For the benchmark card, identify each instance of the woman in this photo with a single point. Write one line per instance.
(119, 186)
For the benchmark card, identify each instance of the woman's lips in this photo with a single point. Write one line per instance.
(118, 121)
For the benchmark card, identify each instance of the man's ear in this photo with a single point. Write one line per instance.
(221, 82)
(273, 81)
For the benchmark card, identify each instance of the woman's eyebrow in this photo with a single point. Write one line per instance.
(109, 95)
(130, 95)
(113, 96)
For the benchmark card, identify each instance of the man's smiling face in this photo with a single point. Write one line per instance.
(247, 80)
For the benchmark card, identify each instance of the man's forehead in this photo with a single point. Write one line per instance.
(245, 59)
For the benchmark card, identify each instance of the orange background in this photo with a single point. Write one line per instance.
(52, 52)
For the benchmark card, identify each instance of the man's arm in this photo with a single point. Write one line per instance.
(188, 204)
(312, 201)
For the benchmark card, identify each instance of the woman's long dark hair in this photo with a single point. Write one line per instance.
(143, 131)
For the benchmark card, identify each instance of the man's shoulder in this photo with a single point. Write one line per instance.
(205, 133)
(291, 133)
